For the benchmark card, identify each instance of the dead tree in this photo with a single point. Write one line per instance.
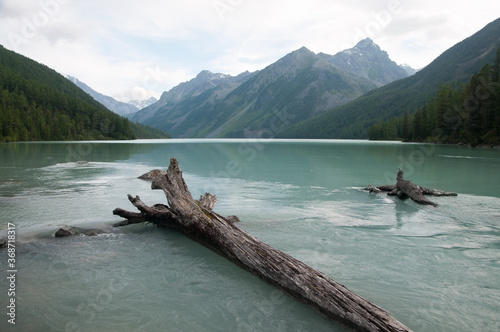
(406, 189)
(197, 220)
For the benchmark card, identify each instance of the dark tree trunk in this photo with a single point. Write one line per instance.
(406, 189)
(197, 220)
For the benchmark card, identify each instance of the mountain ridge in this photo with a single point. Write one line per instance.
(193, 88)
(110, 103)
(376, 67)
(302, 84)
(455, 65)
(142, 103)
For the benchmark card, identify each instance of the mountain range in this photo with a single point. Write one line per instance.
(308, 95)
(455, 66)
(297, 87)
(302, 95)
(112, 104)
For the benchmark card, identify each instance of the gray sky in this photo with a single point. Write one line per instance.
(135, 49)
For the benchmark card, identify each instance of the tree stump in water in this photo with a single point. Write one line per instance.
(197, 220)
(406, 189)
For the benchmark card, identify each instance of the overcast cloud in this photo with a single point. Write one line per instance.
(135, 49)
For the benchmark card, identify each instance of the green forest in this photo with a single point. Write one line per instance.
(453, 67)
(37, 103)
(465, 113)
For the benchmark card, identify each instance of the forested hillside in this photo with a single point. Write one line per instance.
(468, 114)
(37, 103)
(454, 66)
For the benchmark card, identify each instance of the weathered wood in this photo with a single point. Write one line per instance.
(151, 174)
(387, 187)
(198, 221)
(410, 189)
(373, 189)
(406, 189)
(436, 192)
(208, 201)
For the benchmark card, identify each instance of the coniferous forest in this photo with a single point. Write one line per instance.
(37, 103)
(468, 114)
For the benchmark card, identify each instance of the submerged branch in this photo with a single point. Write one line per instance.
(406, 189)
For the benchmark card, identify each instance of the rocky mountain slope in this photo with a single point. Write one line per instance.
(112, 104)
(454, 66)
(297, 87)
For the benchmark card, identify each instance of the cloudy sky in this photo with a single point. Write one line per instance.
(135, 49)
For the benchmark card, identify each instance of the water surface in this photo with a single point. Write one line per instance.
(434, 269)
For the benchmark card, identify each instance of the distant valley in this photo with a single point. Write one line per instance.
(112, 104)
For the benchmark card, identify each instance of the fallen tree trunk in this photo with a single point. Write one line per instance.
(197, 220)
(406, 189)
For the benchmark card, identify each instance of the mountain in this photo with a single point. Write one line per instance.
(454, 66)
(299, 86)
(111, 104)
(409, 70)
(125, 109)
(37, 103)
(468, 115)
(140, 104)
(367, 60)
(219, 84)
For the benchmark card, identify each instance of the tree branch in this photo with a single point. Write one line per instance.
(198, 221)
(406, 189)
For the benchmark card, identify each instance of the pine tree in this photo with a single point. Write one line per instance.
(442, 110)
(495, 76)
(418, 126)
(405, 126)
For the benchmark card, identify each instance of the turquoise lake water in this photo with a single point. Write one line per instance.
(434, 269)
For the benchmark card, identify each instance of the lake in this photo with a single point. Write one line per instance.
(434, 269)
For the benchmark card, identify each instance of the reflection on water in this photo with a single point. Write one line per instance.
(435, 269)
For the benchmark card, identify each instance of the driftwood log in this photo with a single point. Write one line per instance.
(406, 189)
(197, 220)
